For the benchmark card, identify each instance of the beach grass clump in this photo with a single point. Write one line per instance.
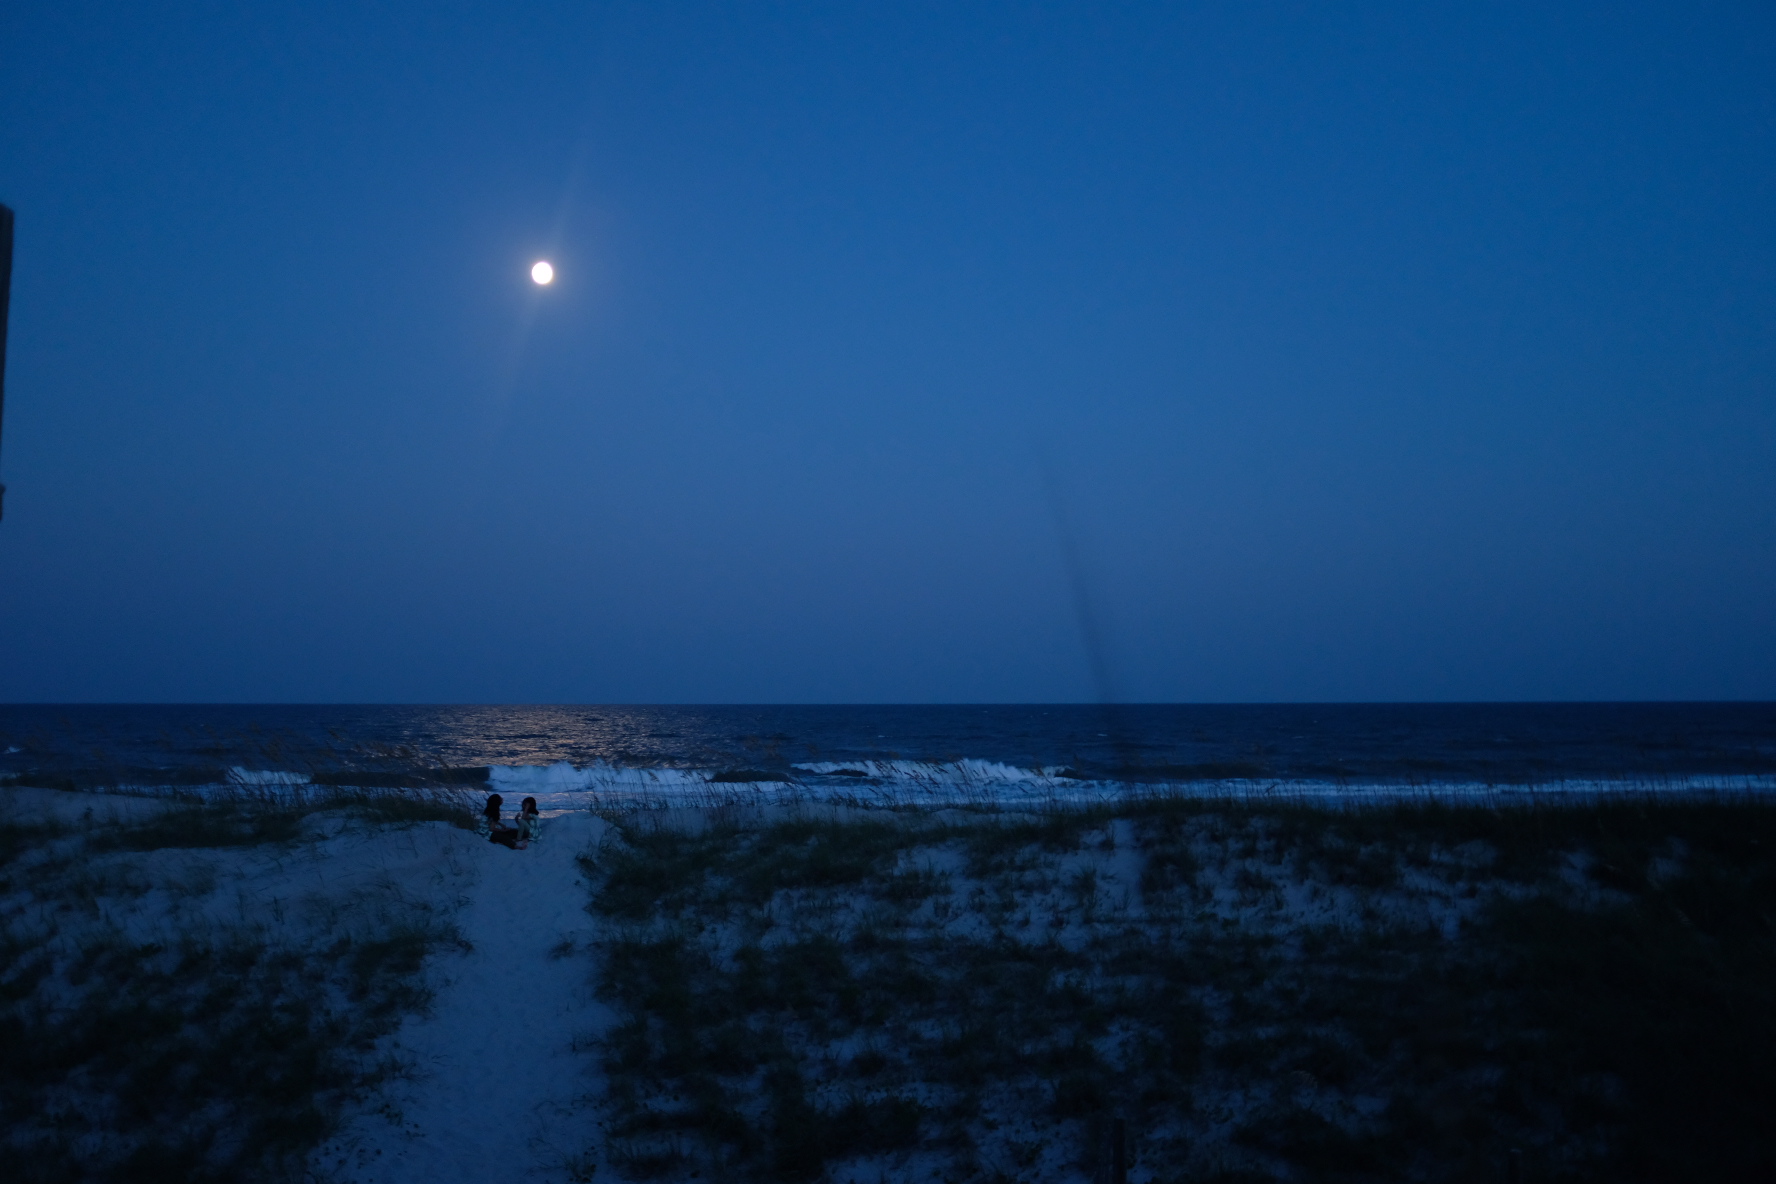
(1260, 992)
(452, 806)
(225, 825)
(251, 819)
(157, 1027)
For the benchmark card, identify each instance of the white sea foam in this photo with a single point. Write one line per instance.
(562, 787)
(265, 777)
(992, 783)
(962, 772)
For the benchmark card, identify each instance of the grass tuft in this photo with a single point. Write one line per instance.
(1263, 992)
(212, 1054)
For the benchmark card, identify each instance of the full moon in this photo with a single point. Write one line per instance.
(542, 273)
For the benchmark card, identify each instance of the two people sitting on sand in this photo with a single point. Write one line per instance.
(518, 837)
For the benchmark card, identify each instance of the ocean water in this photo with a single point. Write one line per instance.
(576, 755)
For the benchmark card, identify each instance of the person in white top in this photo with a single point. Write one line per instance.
(530, 823)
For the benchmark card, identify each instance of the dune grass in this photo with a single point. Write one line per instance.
(1263, 993)
(154, 1031)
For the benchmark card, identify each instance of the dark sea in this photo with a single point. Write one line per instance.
(568, 755)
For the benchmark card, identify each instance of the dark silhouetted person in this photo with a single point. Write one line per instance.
(497, 831)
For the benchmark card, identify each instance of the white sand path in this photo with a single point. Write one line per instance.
(498, 1093)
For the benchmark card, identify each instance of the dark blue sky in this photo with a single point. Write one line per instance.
(1351, 351)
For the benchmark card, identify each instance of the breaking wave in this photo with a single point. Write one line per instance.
(561, 786)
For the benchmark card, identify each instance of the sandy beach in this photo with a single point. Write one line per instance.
(364, 989)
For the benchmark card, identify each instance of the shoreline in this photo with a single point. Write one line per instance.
(563, 788)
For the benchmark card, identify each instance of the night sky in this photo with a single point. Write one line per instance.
(898, 352)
